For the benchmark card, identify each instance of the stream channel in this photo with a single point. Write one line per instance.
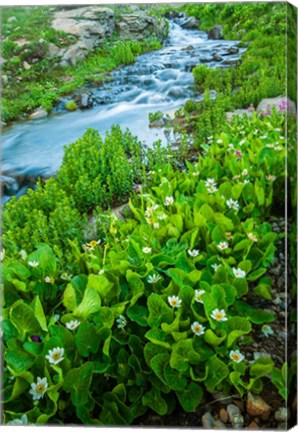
(159, 80)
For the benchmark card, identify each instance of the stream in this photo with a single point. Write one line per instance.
(159, 80)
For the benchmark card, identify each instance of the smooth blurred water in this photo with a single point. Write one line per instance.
(160, 80)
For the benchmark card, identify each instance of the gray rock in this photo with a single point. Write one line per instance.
(10, 185)
(187, 48)
(216, 32)
(218, 424)
(233, 50)
(282, 415)
(207, 421)
(139, 26)
(176, 93)
(157, 124)
(235, 416)
(217, 58)
(231, 62)
(191, 23)
(206, 59)
(85, 100)
(277, 102)
(38, 113)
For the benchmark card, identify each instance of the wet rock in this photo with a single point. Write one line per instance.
(187, 48)
(191, 23)
(217, 58)
(206, 59)
(216, 32)
(282, 415)
(207, 421)
(10, 185)
(256, 406)
(157, 123)
(223, 415)
(280, 103)
(222, 398)
(235, 416)
(233, 50)
(219, 425)
(174, 14)
(231, 62)
(282, 426)
(176, 93)
(38, 113)
(122, 211)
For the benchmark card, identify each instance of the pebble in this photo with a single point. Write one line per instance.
(282, 426)
(222, 398)
(253, 425)
(235, 416)
(223, 415)
(219, 425)
(207, 421)
(282, 415)
(256, 406)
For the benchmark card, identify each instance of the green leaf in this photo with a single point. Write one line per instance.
(114, 411)
(157, 364)
(235, 378)
(77, 382)
(46, 258)
(138, 314)
(236, 327)
(18, 361)
(86, 339)
(151, 350)
(256, 316)
(159, 311)
(90, 304)
(212, 339)
(217, 372)
(70, 298)
(23, 318)
(190, 397)
(256, 274)
(158, 337)
(183, 354)
(173, 378)
(153, 400)
(262, 366)
(39, 313)
(108, 290)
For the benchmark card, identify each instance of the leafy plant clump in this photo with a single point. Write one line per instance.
(157, 311)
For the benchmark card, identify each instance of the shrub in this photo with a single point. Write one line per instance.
(71, 105)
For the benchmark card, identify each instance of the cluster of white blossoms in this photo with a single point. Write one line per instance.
(232, 204)
(169, 200)
(150, 210)
(193, 253)
(238, 273)
(211, 185)
(72, 325)
(223, 245)
(121, 322)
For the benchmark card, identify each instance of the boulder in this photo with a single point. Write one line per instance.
(191, 23)
(9, 184)
(217, 58)
(38, 113)
(89, 24)
(139, 26)
(281, 103)
(216, 32)
(231, 62)
(174, 14)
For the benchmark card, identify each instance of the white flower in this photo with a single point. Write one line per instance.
(270, 178)
(169, 201)
(219, 141)
(229, 235)
(23, 254)
(72, 325)
(38, 390)
(197, 328)
(149, 220)
(215, 266)
(232, 204)
(210, 182)
(223, 245)
(264, 136)
(245, 172)
(242, 141)
(55, 355)
(156, 225)
(121, 322)
(146, 250)
(212, 189)
(252, 237)
(209, 138)
(149, 211)
(236, 356)
(101, 272)
(56, 318)
(246, 181)
(278, 148)
(195, 174)
(49, 279)
(19, 422)
(267, 330)
(219, 315)
(193, 253)
(238, 273)
(2, 255)
(92, 244)
(163, 216)
(174, 301)
(153, 279)
(198, 295)
(33, 263)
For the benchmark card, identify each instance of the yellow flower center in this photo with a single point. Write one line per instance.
(56, 356)
(197, 328)
(236, 357)
(40, 388)
(174, 302)
(199, 297)
(93, 243)
(218, 315)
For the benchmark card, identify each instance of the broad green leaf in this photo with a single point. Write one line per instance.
(107, 290)
(18, 361)
(253, 276)
(90, 304)
(157, 364)
(183, 354)
(120, 391)
(256, 316)
(212, 339)
(39, 313)
(241, 287)
(152, 350)
(23, 318)
(217, 372)
(138, 314)
(262, 366)
(153, 400)
(77, 382)
(158, 337)
(173, 378)
(159, 311)
(70, 298)
(46, 258)
(86, 339)
(190, 397)
(114, 411)
(16, 269)
(236, 380)
(236, 327)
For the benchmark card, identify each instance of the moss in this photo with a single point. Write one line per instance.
(71, 105)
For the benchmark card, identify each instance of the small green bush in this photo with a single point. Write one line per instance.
(71, 105)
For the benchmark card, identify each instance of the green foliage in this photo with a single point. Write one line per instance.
(158, 115)
(71, 105)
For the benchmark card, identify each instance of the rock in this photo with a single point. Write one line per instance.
(38, 113)
(282, 415)
(140, 26)
(10, 185)
(233, 50)
(207, 421)
(157, 123)
(12, 19)
(187, 48)
(217, 57)
(256, 406)
(206, 59)
(235, 416)
(2, 60)
(89, 24)
(231, 62)
(253, 425)
(282, 426)
(223, 415)
(216, 32)
(219, 425)
(222, 398)
(174, 14)
(281, 103)
(121, 211)
(85, 100)
(191, 23)
(177, 93)
(26, 65)
(239, 113)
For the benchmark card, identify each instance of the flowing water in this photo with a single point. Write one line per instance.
(159, 80)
